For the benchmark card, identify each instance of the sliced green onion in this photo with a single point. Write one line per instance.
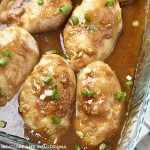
(55, 120)
(64, 9)
(121, 95)
(3, 62)
(47, 80)
(6, 53)
(89, 93)
(87, 17)
(65, 56)
(74, 20)
(80, 134)
(104, 146)
(2, 124)
(40, 2)
(55, 94)
(110, 2)
(76, 147)
(129, 84)
(52, 52)
(92, 28)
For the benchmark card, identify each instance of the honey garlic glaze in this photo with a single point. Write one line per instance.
(123, 61)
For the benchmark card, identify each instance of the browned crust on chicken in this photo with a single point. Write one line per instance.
(33, 17)
(84, 45)
(24, 55)
(37, 112)
(98, 116)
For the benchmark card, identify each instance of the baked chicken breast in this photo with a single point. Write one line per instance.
(35, 16)
(18, 55)
(99, 107)
(92, 31)
(47, 97)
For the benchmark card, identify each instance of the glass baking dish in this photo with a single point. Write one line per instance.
(136, 109)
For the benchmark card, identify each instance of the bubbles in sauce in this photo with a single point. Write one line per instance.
(123, 61)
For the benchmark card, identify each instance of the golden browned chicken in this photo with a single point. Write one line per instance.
(92, 31)
(36, 15)
(99, 103)
(48, 96)
(18, 55)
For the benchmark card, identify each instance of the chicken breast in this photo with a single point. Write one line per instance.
(47, 97)
(92, 31)
(99, 103)
(35, 16)
(18, 55)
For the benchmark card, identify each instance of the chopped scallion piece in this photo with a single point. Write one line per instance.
(55, 94)
(80, 134)
(121, 95)
(92, 28)
(87, 17)
(40, 2)
(129, 84)
(88, 93)
(74, 20)
(6, 53)
(55, 120)
(47, 80)
(52, 52)
(3, 62)
(65, 56)
(76, 147)
(64, 9)
(110, 2)
(2, 124)
(104, 146)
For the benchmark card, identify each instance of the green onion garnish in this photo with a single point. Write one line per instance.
(92, 28)
(52, 52)
(6, 53)
(47, 80)
(87, 17)
(129, 84)
(121, 95)
(40, 2)
(55, 120)
(64, 9)
(3, 62)
(55, 94)
(74, 20)
(76, 147)
(2, 124)
(104, 146)
(89, 93)
(110, 2)
(65, 56)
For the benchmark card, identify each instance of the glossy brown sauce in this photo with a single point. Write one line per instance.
(123, 61)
